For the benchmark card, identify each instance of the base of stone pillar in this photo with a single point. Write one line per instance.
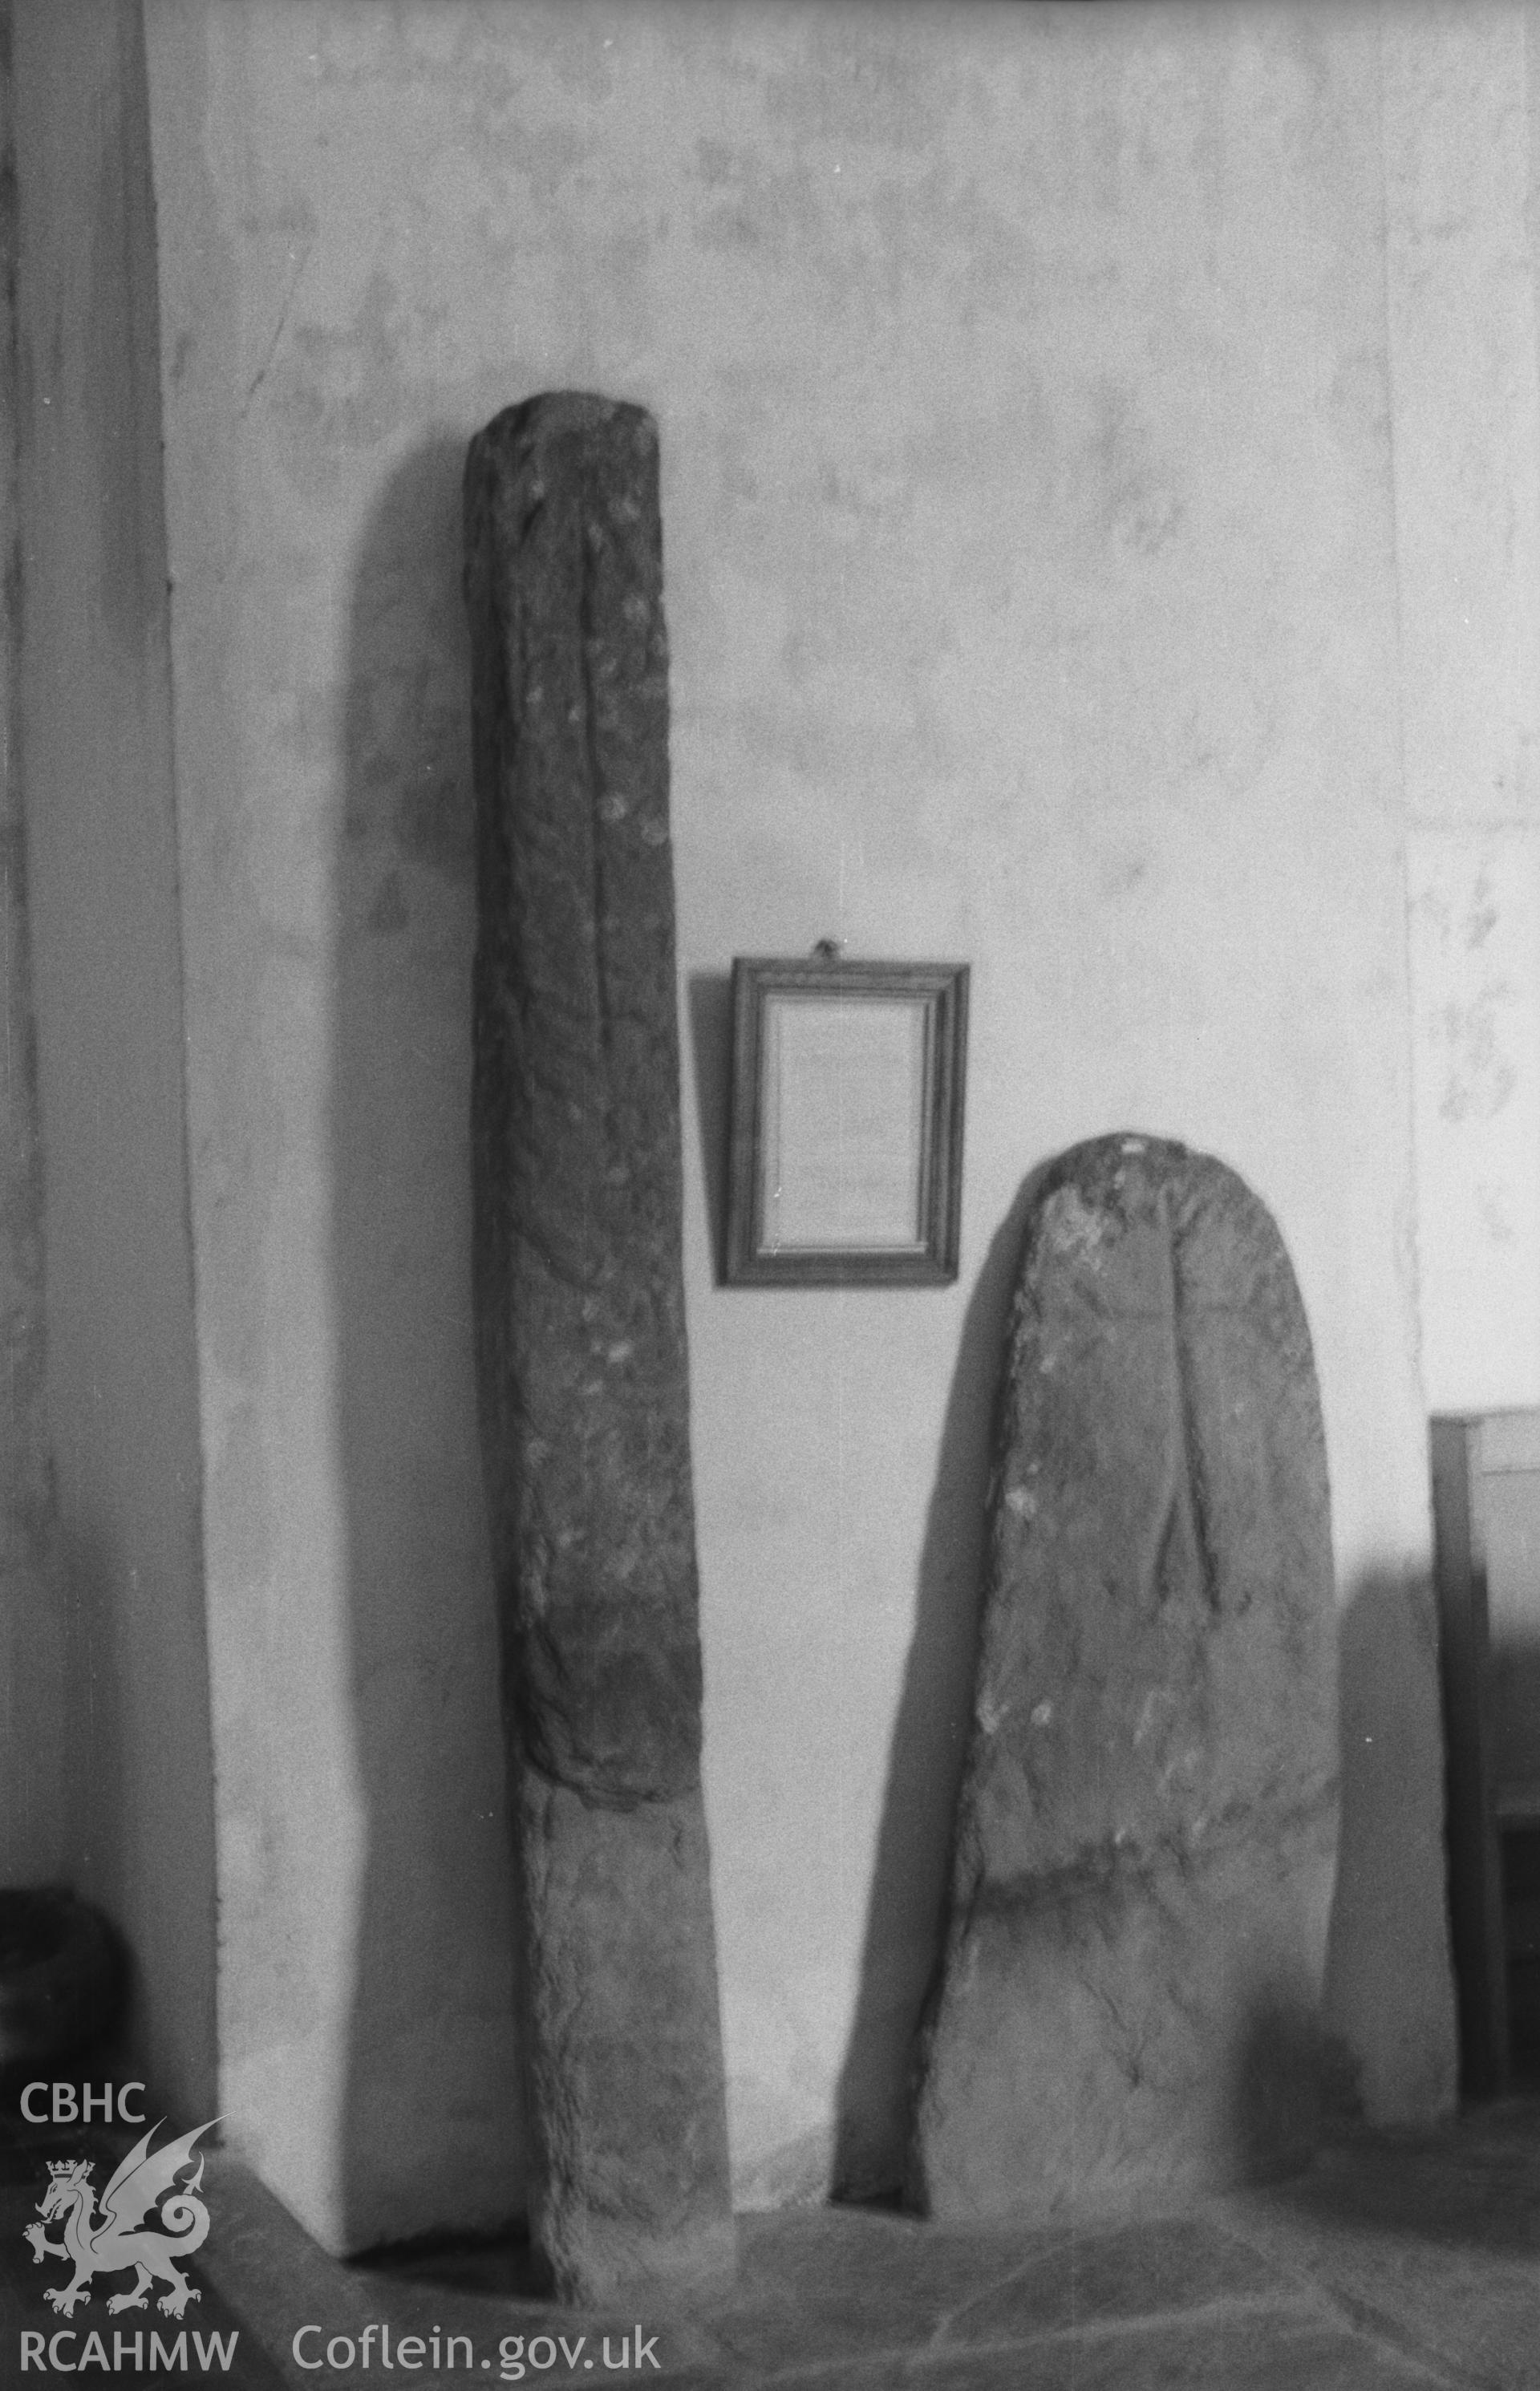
(604, 2264)
(631, 2173)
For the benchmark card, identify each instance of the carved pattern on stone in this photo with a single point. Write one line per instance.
(581, 1356)
(1128, 1994)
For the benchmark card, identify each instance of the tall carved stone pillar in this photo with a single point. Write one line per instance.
(581, 1343)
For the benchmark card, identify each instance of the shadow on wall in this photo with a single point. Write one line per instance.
(907, 1903)
(1390, 1994)
(433, 2126)
(711, 1050)
(1389, 2000)
(97, 1800)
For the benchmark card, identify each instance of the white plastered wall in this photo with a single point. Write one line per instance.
(1037, 391)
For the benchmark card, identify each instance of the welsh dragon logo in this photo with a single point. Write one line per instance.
(140, 2226)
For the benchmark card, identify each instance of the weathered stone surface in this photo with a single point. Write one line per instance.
(581, 1342)
(1146, 1832)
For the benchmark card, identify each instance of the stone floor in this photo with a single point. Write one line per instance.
(1393, 2263)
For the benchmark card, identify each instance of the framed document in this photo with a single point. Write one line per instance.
(846, 1160)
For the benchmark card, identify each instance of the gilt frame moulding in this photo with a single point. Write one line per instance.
(846, 1162)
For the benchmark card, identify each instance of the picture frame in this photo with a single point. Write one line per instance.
(845, 1163)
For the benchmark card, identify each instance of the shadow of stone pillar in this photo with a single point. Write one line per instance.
(582, 1365)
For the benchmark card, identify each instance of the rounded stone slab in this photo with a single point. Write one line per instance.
(1145, 1847)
